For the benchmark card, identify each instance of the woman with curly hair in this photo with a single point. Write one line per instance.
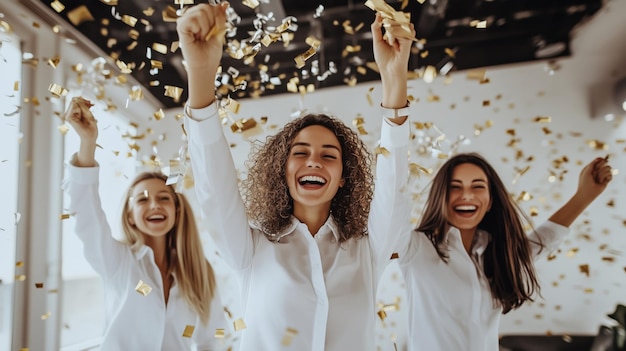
(313, 235)
(160, 291)
(470, 260)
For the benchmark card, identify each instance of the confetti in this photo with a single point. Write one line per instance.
(239, 324)
(219, 333)
(290, 333)
(188, 332)
(79, 15)
(143, 288)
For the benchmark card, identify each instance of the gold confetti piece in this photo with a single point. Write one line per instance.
(133, 34)
(57, 6)
(382, 315)
(109, 2)
(19, 264)
(160, 48)
(159, 114)
(188, 332)
(381, 151)
(135, 93)
(129, 20)
(156, 64)
(149, 11)
(290, 333)
(542, 119)
(173, 92)
(79, 15)
(478, 24)
(20, 277)
(253, 4)
(597, 145)
(38, 285)
(64, 216)
(486, 103)
(450, 52)
(588, 291)
(219, 333)
(417, 170)
(46, 316)
(477, 74)
(243, 125)
(144, 289)
(57, 90)
(584, 268)
(239, 324)
(227, 311)
(430, 73)
(572, 252)
(54, 62)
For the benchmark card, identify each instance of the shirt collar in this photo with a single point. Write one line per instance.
(330, 224)
(479, 243)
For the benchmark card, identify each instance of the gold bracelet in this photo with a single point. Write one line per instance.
(214, 111)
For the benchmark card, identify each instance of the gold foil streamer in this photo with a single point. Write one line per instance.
(188, 332)
(79, 15)
(144, 289)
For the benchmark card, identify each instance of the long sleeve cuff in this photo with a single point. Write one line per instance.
(204, 127)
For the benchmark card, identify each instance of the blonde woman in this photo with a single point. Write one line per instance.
(160, 291)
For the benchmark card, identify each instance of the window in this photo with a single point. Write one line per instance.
(10, 69)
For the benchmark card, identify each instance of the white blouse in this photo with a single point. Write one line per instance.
(450, 304)
(303, 292)
(134, 321)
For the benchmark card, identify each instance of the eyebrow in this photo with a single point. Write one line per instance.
(475, 180)
(326, 146)
(146, 193)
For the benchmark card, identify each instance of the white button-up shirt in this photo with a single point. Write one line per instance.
(450, 304)
(134, 321)
(303, 292)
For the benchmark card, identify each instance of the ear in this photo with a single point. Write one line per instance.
(342, 182)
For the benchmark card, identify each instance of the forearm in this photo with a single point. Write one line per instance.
(201, 84)
(86, 154)
(568, 213)
(395, 93)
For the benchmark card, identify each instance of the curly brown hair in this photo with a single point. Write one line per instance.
(265, 188)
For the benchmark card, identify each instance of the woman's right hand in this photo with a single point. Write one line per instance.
(82, 120)
(201, 34)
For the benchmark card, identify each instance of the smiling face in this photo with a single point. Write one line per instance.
(468, 197)
(152, 208)
(314, 169)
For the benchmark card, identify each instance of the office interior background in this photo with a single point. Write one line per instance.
(539, 121)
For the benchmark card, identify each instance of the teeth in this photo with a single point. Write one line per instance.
(465, 208)
(157, 217)
(312, 179)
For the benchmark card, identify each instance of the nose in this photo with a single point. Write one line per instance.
(154, 203)
(468, 194)
(313, 162)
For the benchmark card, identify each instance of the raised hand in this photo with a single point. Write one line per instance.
(82, 120)
(392, 54)
(201, 33)
(594, 178)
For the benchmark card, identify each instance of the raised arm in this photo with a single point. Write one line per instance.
(592, 181)
(390, 210)
(103, 252)
(201, 33)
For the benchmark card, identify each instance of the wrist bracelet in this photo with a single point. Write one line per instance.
(209, 111)
(395, 112)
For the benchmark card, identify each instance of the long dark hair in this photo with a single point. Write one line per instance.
(508, 260)
(265, 188)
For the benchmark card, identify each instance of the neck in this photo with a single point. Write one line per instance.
(467, 236)
(313, 217)
(159, 248)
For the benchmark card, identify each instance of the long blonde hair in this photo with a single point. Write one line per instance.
(184, 252)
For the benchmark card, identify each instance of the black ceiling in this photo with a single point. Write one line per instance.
(515, 31)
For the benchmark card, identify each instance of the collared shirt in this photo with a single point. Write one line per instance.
(450, 304)
(302, 292)
(134, 321)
